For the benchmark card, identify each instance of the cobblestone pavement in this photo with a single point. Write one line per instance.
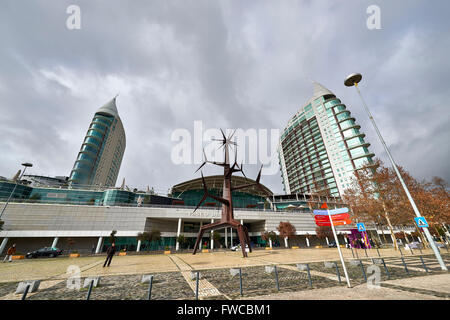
(391, 291)
(172, 275)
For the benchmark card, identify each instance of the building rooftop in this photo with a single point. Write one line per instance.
(109, 108)
(320, 90)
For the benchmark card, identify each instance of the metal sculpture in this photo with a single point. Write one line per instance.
(227, 219)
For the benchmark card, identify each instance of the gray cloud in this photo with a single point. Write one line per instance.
(231, 64)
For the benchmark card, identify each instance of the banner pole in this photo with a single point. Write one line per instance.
(339, 249)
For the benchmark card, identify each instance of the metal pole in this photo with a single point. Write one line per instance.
(240, 281)
(404, 264)
(196, 287)
(411, 200)
(363, 271)
(423, 263)
(352, 250)
(337, 272)
(276, 278)
(12, 192)
(309, 275)
(25, 292)
(339, 248)
(150, 288)
(90, 289)
(386, 269)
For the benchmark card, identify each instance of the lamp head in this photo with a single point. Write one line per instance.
(353, 79)
(27, 164)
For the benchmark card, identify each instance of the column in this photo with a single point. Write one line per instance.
(201, 240)
(270, 243)
(286, 242)
(99, 245)
(3, 245)
(138, 246)
(226, 238)
(177, 245)
(55, 242)
(326, 238)
(307, 242)
(231, 235)
(212, 240)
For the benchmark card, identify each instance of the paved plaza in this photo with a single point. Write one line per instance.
(172, 275)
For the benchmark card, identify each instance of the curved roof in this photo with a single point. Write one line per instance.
(320, 90)
(216, 182)
(109, 108)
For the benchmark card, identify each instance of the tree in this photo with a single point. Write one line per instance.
(112, 236)
(323, 232)
(216, 238)
(144, 237)
(181, 239)
(269, 237)
(286, 230)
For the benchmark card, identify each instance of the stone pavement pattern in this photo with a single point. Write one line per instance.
(52, 272)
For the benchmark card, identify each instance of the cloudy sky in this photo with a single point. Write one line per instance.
(229, 64)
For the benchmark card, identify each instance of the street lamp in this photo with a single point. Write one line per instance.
(353, 80)
(25, 165)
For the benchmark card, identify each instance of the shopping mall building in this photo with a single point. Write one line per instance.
(38, 217)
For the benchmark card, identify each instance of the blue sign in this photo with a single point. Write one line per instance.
(421, 222)
(361, 227)
(335, 211)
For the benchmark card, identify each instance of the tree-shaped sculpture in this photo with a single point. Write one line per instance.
(227, 219)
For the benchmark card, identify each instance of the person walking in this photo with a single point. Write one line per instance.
(93, 249)
(11, 251)
(109, 254)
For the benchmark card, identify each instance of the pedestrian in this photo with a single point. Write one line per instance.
(109, 254)
(372, 244)
(11, 251)
(93, 249)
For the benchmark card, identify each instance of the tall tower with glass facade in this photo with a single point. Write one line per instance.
(321, 147)
(101, 153)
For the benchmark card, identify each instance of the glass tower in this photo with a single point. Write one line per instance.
(321, 147)
(102, 150)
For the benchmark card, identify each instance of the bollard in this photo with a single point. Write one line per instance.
(363, 271)
(386, 269)
(404, 263)
(423, 263)
(356, 250)
(365, 250)
(309, 275)
(90, 289)
(26, 292)
(337, 272)
(196, 287)
(378, 251)
(276, 278)
(150, 288)
(352, 252)
(420, 249)
(240, 281)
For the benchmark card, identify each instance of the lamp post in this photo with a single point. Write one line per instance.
(25, 165)
(353, 80)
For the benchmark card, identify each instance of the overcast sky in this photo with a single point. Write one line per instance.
(229, 64)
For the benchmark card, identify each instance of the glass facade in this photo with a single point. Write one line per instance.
(321, 147)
